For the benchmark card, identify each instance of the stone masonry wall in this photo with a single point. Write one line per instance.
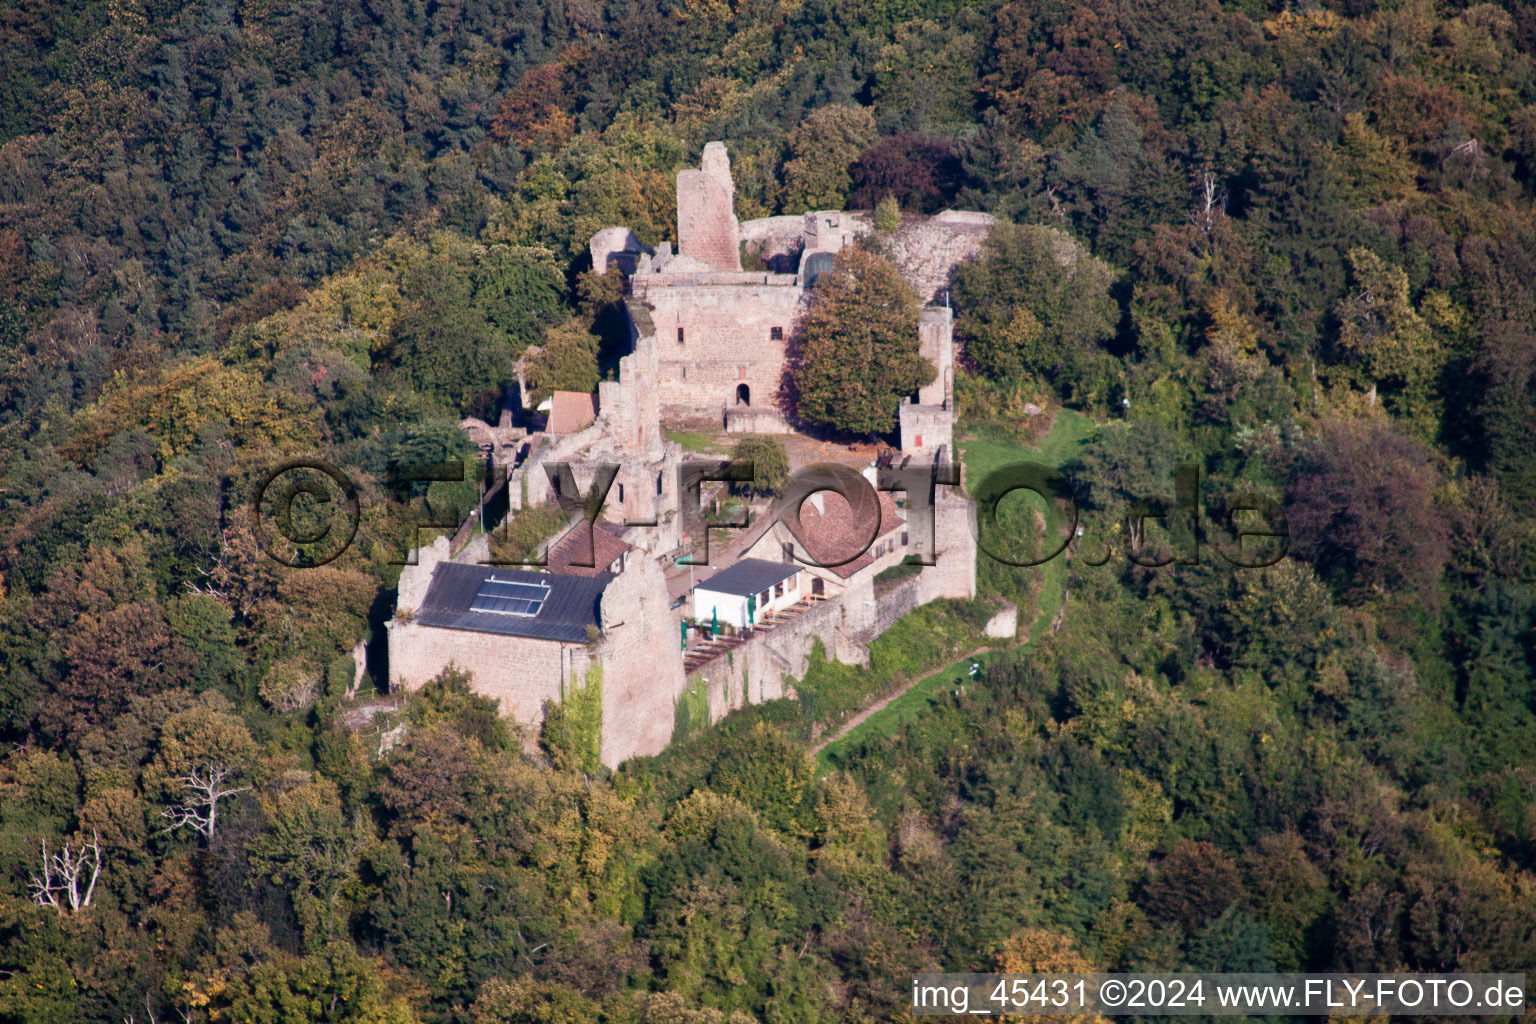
(727, 341)
(936, 343)
(642, 662)
(706, 219)
(925, 429)
(518, 672)
(756, 671)
(953, 573)
(898, 600)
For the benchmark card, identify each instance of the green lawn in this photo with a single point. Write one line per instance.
(910, 706)
(1060, 446)
(696, 441)
(1068, 434)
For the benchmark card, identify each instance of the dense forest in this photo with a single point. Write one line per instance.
(1291, 244)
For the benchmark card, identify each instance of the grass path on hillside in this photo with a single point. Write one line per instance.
(888, 715)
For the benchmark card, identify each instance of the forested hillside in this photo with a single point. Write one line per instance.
(1291, 244)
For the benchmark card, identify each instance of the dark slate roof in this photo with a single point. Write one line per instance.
(749, 576)
(569, 610)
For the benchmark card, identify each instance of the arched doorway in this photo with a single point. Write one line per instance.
(743, 395)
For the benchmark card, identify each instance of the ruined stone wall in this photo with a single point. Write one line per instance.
(936, 343)
(777, 240)
(520, 673)
(616, 246)
(706, 218)
(629, 404)
(529, 484)
(662, 508)
(416, 576)
(627, 432)
(642, 663)
(953, 573)
(893, 602)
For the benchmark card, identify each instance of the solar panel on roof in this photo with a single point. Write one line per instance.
(510, 597)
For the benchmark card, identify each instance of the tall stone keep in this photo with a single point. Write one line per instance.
(706, 216)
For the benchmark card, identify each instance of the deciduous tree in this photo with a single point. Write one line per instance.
(857, 346)
(1364, 509)
(822, 147)
(770, 462)
(1037, 302)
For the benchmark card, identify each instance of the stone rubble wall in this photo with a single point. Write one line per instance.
(928, 251)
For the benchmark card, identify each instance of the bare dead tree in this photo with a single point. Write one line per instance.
(1050, 194)
(1209, 201)
(148, 1008)
(1471, 149)
(64, 875)
(210, 587)
(207, 784)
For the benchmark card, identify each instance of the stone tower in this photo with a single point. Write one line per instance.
(706, 216)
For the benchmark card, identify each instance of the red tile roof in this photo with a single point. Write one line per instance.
(831, 534)
(570, 411)
(572, 549)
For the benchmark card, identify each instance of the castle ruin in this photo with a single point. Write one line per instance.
(708, 350)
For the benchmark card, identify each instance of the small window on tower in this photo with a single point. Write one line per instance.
(776, 334)
(679, 335)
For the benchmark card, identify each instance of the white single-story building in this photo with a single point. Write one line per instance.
(752, 588)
